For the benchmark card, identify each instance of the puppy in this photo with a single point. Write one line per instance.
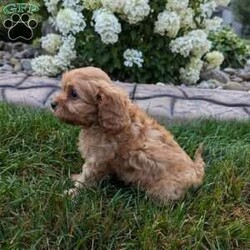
(118, 137)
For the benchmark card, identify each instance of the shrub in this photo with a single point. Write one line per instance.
(133, 40)
(234, 49)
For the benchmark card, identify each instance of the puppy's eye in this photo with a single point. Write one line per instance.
(73, 94)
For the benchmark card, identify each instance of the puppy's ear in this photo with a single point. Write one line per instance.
(113, 110)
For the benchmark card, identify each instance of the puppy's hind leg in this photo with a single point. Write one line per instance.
(166, 190)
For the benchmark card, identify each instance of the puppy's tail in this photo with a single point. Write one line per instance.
(199, 164)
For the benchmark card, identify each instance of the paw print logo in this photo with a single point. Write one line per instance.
(20, 26)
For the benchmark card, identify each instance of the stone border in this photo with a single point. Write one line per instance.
(163, 102)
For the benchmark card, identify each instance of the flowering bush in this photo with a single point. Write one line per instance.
(213, 60)
(51, 43)
(234, 49)
(133, 40)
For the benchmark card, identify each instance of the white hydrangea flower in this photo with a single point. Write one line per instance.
(73, 4)
(69, 21)
(114, 5)
(51, 6)
(66, 53)
(168, 23)
(187, 18)
(196, 63)
(70, 3)
(194, 42)
(107, 26)
(212, 24)
(51, 42)
(214, 59)
(177, 5)
(207, 9)
(45, 66)
(52, 65)
(92, 4)
(136, 10)
(191, 73)
(182, 45)
(201, 44)
(222, 2)
(133, 57)
(52, 21)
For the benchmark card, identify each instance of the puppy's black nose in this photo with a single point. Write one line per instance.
(53, 104)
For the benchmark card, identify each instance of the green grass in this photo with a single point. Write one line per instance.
(37, 153)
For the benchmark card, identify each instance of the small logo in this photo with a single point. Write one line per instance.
(20, 24)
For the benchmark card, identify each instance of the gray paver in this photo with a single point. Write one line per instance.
(147, 90)
(36, 81)
(229, 97)
(157, 107)
(8, 75)
(32, 97)
(189, 109)
(11, 79)
(1, 95)
(247, 110)
(162, 102)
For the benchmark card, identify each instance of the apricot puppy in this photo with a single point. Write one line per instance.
(118, 137)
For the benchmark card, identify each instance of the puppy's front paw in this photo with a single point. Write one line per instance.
(71, 192)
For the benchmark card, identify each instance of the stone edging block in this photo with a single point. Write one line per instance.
(164, 102)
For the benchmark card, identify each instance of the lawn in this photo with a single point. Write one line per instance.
(37, 154)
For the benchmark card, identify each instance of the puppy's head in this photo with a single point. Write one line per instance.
(89, 98)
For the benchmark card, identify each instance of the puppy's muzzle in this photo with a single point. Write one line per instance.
(53, 105)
